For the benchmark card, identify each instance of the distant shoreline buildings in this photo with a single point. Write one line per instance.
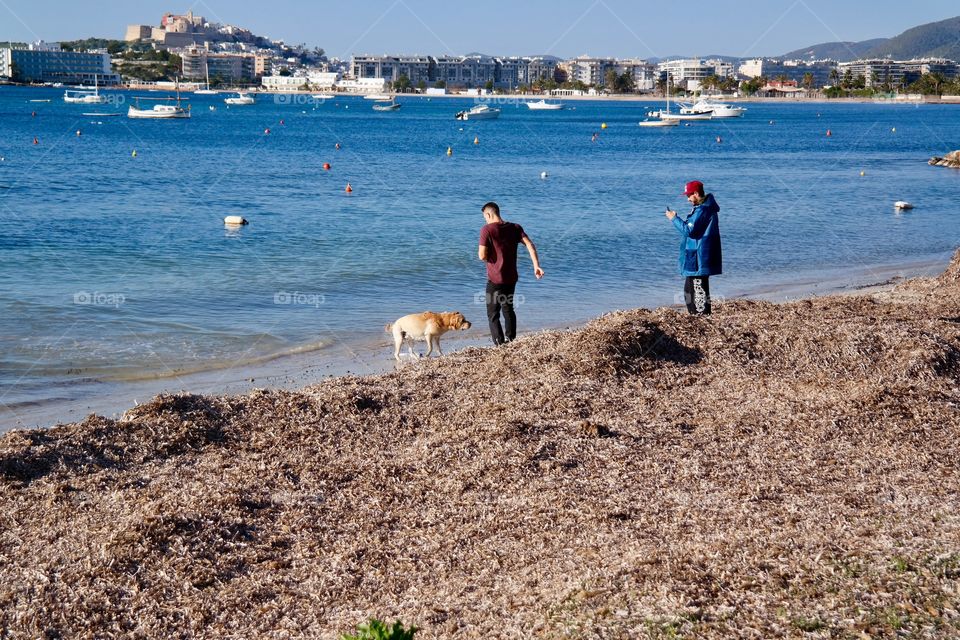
(232, 54)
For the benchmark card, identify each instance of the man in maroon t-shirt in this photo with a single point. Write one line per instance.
(499, 240)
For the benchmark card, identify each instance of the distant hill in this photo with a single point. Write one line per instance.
(841, 51)
(932, 40)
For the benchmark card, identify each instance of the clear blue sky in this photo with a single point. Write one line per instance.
(622, 28)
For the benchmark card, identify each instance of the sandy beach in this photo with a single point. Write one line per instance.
(775, 470)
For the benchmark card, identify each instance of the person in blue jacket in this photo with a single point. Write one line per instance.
(700, 255)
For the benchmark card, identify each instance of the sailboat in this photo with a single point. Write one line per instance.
(659, 119)
(206, 91)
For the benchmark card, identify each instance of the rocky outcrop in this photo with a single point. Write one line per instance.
(951, 160)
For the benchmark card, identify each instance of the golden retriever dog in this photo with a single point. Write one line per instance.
(427, 326)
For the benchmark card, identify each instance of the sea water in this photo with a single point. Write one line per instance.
(115, 264)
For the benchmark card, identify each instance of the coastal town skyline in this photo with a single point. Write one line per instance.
(596, 27)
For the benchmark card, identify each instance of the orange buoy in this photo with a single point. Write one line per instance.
(326, 166)
(349, 189)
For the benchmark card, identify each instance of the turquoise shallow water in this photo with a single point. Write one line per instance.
(117, 267)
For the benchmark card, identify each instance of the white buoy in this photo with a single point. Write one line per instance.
(544, 175)
(902, 205)
(235, 221)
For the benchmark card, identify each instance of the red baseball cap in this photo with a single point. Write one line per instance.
(693, 187)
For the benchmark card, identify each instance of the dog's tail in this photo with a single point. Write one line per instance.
(389, 328)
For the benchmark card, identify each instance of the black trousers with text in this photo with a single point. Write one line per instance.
(696, 293)
(500, 297)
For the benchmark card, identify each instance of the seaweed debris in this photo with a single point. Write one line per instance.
(776, 470)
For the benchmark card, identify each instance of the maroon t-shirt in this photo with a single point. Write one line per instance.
(501, 240)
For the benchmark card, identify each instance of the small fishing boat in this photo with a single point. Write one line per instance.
(85, 96)
(658, 123)
(159, 111)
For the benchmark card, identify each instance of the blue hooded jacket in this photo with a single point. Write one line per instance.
(700, 253)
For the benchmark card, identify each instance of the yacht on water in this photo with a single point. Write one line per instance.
(715, 109)
(479, 112)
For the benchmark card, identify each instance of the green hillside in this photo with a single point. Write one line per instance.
(934, 40)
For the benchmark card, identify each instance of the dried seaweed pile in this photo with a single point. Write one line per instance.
(773, 471)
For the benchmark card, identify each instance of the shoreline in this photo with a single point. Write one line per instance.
(373, 355)
(494, 97)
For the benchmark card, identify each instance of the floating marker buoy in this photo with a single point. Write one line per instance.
(235, 221)
(449, 151)
(863, 173)
(902, 205)
(337, 146)
(36, 140)
(719, 139)
(33, 114)
(893, 130)
(281, 121)
(266, 131)
(326, 166)
(476, 140)
(829, 133)
(771, 122)
(543, 175)
(349, 189)
(134, 154)
(79, 133)
(603, 125)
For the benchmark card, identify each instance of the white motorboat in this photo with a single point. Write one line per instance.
(240, 99)
(479, 112)
(323, 96)
(543, 105)
(85, 96)
(716, 109)
(159, 111)
(658, 123)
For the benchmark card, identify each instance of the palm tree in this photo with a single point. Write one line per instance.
(808, 81)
